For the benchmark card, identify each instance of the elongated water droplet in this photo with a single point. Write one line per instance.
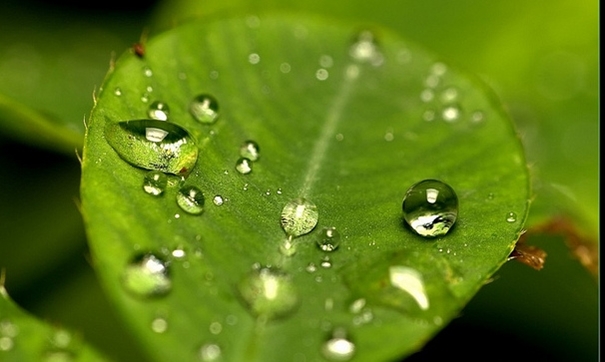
(158, 110)
(155, 183)
(430, 207)
(338, 347)
(204, 108)
(299, 217)
(190, 199)
(269, 293)
(410, 281)
(329, 239)
(250, 150)
(243, 166)
(147, 275)
(153, 145)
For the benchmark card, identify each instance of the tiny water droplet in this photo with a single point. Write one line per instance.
(147, 275)
(6, 343)
(117, 91)
(288, 247)
(321, 74)
(159, 325)
(243, 166)
(178, 253)
(477, 117)
(338, 347)
(449, 95)
(250, 150)
(147, 72)
(145, 97)
(269, 293)
(210, 352)
(439, 69)
(451, 113)
(285, 68)
(365, 49)
(215, 328)
(158, 110)
(190, 199)
(253, 58)
(218, 200)
(427, 95)
(329, 239)
(410, 281)
(299, 217)
(311, 268)
(326, 61)
(204, 108)
(430, 207)
(326, 263)
(153, 145)
(428, 115)
(155, 183)
(511, 217)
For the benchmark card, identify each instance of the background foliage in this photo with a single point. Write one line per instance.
(542, 64)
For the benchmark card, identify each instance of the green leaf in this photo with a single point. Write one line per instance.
(25, 338)
(35, 128)
(348, 123)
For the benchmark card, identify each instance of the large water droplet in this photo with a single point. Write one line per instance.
(190, 199)
(299, 217)
(430, 207)
(155, 183)
(204, 108)
(147, 275)
(410, 281)
(329, 239)
(268, 293)
(338, 347)
(153, 145)
(250, 150)
(158, 110)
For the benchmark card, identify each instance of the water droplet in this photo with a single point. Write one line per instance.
(159, 325)
(117, 91)
(430, 207)
(147, 275)
(288, 247)
(329, 239)
(204, 108)
(299, 217)
(158, 110)
(321, 74)
(243, 166)
(326, 263)
(210, 352)
(215, 327)
(250, 150)
(477, 117)
(427, 95)
(365, 49)
(409, 281)
(145, 97)
(268, 293)
(155, 182)
(153, 145)
(253, 58)
(449, 95)
(438, 69)
(218, 200)
(147, 72)
(178, 253)
(6, 343)
(338, 347)
(190, 199)
(311, 268)
(285, 68)
(326, 61)
(511, 217)
(428, 115)
(450, 113)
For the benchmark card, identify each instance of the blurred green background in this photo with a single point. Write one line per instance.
(541, 58)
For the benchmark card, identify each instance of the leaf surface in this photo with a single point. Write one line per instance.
(347, 122)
